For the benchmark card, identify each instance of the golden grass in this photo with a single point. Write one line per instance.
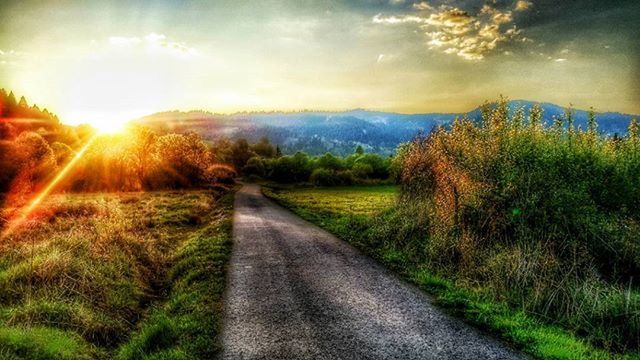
(92, 264)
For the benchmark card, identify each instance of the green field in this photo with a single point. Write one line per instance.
(116, 276)
(366, 216)
(356, 200)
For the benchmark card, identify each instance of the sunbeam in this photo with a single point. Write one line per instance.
(23, 214)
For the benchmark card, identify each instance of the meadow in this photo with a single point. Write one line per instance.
(337, 201)
(115, 275)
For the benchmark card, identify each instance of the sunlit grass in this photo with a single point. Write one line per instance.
(86, 268)
(355, 200)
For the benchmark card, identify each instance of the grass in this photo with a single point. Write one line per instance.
(350, 200)
(86, 277)
(186, 327)
(361, 216)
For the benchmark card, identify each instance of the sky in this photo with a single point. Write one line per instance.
(100, 61)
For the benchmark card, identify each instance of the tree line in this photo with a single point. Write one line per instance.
(265, 160)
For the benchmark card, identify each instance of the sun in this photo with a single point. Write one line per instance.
(108, 127)
(106, 123)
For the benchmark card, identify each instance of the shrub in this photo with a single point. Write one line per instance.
(255, 166)
(324, 177)
(546, 219)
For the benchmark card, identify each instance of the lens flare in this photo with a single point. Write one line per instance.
(23, 214)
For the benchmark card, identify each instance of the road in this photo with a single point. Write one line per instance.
(297, 292)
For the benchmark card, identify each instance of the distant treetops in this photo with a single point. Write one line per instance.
(17, 116)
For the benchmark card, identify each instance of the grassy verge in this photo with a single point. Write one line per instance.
(80, 278)
(364, 215)
(186, 327)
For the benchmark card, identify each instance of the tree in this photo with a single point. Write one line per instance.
(359, 150)
(23, 103)
(278, 151)
(264, 148)
(240, 153)
(182, 160)
(254, 166)
(329, 161)
(141, 151)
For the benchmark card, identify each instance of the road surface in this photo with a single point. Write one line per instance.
(297, 292)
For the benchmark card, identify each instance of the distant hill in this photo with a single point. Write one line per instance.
(340, 132)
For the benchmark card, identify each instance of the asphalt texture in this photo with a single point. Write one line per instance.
(297, 292)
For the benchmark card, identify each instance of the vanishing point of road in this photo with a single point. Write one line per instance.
(297, 292)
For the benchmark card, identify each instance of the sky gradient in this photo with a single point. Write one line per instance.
(94, 61)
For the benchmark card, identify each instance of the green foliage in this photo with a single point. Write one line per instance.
(545, 220)
(328, 161)
(264, 148)
(325, 170)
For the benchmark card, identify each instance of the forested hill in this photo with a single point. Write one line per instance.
(340, 132)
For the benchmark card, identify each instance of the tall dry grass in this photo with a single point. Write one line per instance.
(90, 266)
(545, 219)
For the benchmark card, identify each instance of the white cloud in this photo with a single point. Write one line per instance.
(455, 31)
(423, 6)
(564, 51)
(154, 40)
(379, 19)
(560, 60)
(11, 57)
(385, 58)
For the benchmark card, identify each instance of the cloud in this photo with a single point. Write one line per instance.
(9, 57)
(455, 31)
(385, 58)
(379, 19)
(154, 40)
(560, 60)
(522, 5)
(422, 6)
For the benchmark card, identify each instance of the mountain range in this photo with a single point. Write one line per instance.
(316, 132)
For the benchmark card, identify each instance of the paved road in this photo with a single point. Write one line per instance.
(297, 292)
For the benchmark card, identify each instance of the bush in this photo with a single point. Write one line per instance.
(323, 177)
(255, 166)
(545, 219)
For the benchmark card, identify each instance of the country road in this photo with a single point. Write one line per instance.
(297, 292)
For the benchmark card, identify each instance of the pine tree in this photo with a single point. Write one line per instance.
(359, 150)
(23, 103)
(278, 152)
(11, 100)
